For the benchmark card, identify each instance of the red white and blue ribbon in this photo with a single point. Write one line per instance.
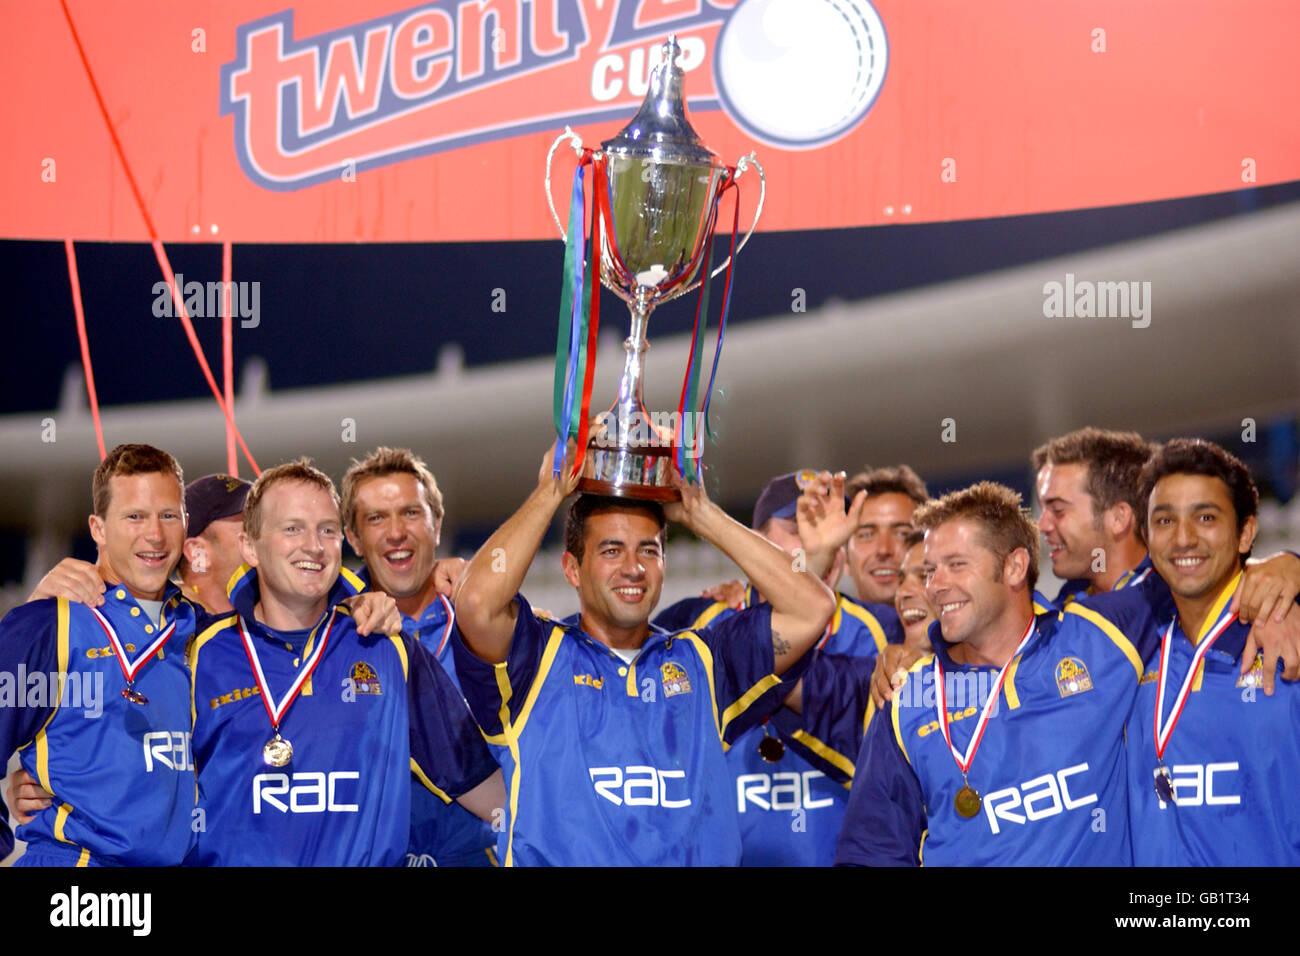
(274, 710)
(446, 631)
(965, 760)
(1165, 730)
(131, 668)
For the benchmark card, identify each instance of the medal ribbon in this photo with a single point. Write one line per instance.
(277, 711)
(1166, 730)
(129, 670)
(965, 760)
(446, 631)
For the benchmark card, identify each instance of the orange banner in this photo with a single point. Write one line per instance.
(380, 121)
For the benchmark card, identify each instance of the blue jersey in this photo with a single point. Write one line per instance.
(121, 772)
(859, 628)
(791, 809)
(1233, 758)
(375, 710)
(442, 834)
(1050, 767)
(614, 763)
(1080, 589)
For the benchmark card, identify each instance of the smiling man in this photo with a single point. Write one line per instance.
(611, 731)
(306, 733)
(910, 600)
(877, 544)
(1209, 754)
(105, 730)
(393, 511)
(995, 750)
(1087, 489)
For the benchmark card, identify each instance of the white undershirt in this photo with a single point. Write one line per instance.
(626, 654)
(152, 608)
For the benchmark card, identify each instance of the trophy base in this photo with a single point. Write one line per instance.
(642, 474)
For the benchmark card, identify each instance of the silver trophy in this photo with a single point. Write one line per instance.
(662, 185)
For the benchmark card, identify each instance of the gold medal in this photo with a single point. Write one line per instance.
(967, 802)
(771, 749)
(134, 696)
(277, 752)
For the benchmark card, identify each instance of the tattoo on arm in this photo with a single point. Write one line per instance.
(779, 646)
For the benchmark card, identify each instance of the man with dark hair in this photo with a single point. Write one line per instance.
(106, 728)
(913, 607)
(1092, 523)
(876, 544)
(1087, 488)
(392, 515)
(611, 731)
(306, 733)
(1211, 763)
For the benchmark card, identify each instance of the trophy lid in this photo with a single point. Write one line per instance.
(660, 129)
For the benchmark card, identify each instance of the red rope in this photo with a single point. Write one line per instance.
(85, 345)
(159, 252)
(228, 361)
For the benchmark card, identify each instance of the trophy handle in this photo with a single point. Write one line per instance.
(742, 164)
(576, 142)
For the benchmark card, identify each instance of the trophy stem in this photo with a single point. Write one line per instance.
(630, 401)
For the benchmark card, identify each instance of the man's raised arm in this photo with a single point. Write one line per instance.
(485, 594)
(801, 604)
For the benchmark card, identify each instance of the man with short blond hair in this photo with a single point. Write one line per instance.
(306, 733)
(996, 749)
(389, 461)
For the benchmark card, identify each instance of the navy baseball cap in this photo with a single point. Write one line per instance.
(780, 497)
(212, 498)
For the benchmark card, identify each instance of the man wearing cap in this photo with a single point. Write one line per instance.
(211, 553)
(789, 785)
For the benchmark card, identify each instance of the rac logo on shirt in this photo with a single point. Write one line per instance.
(167, 750)
(1195, 785)
(639, 786)
(783, 791)
(313, 792)
(1039, 798)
